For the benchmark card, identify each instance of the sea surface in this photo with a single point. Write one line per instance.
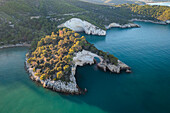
(160, 3)
(147, 90)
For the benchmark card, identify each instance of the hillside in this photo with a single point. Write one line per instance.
(23, 20)
(116, 2)
(159, 12)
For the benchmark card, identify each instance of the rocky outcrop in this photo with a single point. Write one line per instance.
(81, 58)
(87, 57)
(79, 25)
(115, 68)
(116, 25)
(168, 21)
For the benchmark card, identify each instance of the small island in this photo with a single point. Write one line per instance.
(54, 61)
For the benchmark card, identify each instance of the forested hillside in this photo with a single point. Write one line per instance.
(25, 20)
(123, 1)
(159, 12)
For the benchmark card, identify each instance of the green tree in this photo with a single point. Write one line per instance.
(59, 74)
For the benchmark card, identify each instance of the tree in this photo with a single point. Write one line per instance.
(60, 43)
(40, 43)
(59, 74)
(48, 39)
(59, 68)
(29, 60)
(34, 69)
(43, 76)
(71, 38)
(76, 34)
(66, 68)
(37, 74)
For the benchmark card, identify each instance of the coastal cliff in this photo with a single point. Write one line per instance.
(79, 25)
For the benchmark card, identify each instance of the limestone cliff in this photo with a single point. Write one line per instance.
(79, 25)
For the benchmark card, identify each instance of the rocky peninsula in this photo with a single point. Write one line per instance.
(54, 61)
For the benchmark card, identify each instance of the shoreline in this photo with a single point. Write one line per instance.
(150, 21)
(93, 30)
(124, 26)
(56, 86)
(15, 45)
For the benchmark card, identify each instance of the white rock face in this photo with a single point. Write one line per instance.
(87, 57)
(79, 25)
(168, 21)
(116, 25)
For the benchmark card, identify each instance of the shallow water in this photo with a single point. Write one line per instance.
(146, 90)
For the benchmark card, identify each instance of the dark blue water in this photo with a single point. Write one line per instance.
(146, 90)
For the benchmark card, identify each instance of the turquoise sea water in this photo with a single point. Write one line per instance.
(146, 90)
(160, 3)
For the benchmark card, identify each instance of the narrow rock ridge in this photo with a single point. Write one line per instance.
(87, 57)
(15, 45)
(80, 59)
(161, 22)
(116, 25)
(79, 25)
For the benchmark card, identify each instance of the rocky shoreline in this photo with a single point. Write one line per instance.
(81, 58)
(58, 86)
(116, 25)
(15, 45)
(161, 22)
